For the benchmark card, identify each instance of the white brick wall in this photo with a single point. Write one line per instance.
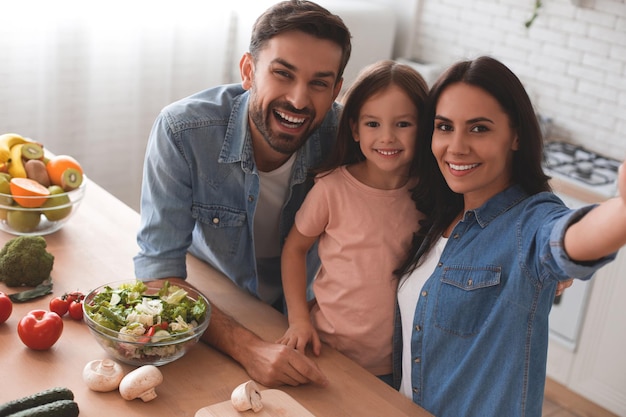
(572, 60)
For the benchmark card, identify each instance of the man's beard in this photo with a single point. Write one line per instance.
(281, 142)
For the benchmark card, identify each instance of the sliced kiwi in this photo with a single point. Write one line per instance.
(32, 151)
(71, 179)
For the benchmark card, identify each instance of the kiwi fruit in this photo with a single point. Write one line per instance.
(32, 151)
(36, 170)
(71, 179)
(23, 221)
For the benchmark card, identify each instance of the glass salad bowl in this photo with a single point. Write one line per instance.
(146, 323)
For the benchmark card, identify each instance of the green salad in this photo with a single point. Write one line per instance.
(148, 320)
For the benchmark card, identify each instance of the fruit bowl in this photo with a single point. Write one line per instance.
(132, 339)
(22, 220)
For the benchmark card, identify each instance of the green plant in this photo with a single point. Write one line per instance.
(535, 14)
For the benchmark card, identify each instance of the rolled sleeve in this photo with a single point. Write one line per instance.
(573, 269)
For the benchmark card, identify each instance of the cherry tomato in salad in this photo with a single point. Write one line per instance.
(40, 329)
(59, 305)
(6, 307)
(76, 310)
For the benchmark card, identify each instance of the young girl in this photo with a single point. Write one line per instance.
(361, 210)
(495, 243)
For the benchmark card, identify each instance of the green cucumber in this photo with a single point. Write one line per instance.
(59, 408)
(34, 400)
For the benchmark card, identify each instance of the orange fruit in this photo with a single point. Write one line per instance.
(64, 171)
(28, 193)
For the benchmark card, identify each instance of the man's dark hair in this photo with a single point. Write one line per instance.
(304, 16)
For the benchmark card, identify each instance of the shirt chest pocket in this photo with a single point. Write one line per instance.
(465, 298)
(224, 229)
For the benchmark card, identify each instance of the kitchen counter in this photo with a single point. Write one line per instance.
(95, 247)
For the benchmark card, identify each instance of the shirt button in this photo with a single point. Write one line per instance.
(424, 293)
(417, 360)
(251, 198)
(456, 236)
(440, 264)
(470, 282)
(416, 390)
(418, 328)
(216, 220)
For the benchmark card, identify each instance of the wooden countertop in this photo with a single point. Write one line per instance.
(97, 246)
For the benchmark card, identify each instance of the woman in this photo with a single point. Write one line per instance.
(478, 287)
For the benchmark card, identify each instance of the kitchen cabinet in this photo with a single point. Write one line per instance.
(596, 369)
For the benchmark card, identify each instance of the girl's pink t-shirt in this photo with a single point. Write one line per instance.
(365, 234)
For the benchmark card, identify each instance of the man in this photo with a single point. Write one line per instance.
(226, 170)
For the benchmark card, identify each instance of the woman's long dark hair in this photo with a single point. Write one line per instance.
(432, 195)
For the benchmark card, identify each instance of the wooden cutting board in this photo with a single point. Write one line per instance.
(275, 403)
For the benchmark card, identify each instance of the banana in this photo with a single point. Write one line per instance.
(16, 166)
(7, 141)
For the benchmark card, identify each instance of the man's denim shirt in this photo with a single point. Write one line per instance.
(201, 185)
(480, 329)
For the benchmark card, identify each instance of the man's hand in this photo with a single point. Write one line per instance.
(274, 364)
(270, 364)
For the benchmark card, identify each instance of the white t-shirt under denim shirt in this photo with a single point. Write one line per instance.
(409, 289)
(274, 188)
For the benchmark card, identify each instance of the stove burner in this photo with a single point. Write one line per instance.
(580, 164)
(584, 169)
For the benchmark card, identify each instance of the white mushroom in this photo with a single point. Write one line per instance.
(103, 375)
(247, 396)
(141, 383)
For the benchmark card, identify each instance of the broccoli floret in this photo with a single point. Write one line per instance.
(24, 261)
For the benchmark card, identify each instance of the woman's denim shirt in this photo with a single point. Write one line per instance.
(200, 187)
(480, 334)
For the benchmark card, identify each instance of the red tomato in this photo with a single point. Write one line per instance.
(40, 329)
(74, 296)
(76, 310)
(6, 307)
(59, 305)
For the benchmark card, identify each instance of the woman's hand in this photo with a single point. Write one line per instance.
(621, 181)
(562, 286)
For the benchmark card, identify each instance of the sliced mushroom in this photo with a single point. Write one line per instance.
(247, 397)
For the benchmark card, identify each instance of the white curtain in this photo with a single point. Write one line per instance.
(87, 78)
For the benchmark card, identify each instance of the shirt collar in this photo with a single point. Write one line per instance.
(237, 137)
(498, 204)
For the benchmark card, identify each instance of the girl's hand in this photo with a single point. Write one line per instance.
(299, 335)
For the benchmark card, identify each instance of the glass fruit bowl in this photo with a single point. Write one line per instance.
(131, 327)
(36, 215)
